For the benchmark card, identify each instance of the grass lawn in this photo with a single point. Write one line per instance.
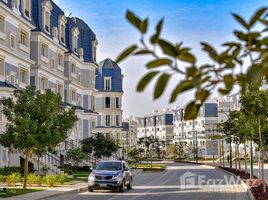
(11, 192)
(155, 167)
(81, 174)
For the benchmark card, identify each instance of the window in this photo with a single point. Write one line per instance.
(24, 38)
(107, 83)
(107, 102)
(12, 41)
(117, 104)
(52, 63)
(79, 78)
(73, 68)
(27, 8)
(43, 83)
(23, 76)
(62, 22)
(2, 67)
(44, 50)
(75, 39)
(60, 89)
(16, 4)
(47, 7)
(108, 120)
(117, 121)
(12, 79)
(2, 24)
(60, 60)
(73, 95)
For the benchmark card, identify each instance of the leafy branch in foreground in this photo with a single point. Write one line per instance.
(227, 67)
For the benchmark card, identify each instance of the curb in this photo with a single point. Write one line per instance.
(78, 190)
(243, 184)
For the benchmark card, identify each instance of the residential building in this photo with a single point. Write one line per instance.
(42, 47)
(108, 99)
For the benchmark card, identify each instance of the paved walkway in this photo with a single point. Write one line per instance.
(51, 192)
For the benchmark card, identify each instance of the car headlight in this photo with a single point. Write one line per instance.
(116, 176)
(91, 177)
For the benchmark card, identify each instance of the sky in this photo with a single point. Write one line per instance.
(190, 21)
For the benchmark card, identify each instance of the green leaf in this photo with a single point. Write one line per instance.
(209, 49)
(159, 62)
(191, 111)
(264, 22)
(256, 16)
(202, 95)
(146, 80)
(223, 91)
(144, 26)
(126, 53)
(240, 35)
(168, 48)
(180, 88)
(241, 21)
(229, 81)
(155, 37)
(161, 85)
(187, 57)
(143, 52)
(134, 20)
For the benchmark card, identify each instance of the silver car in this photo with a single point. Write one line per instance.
(110, 175)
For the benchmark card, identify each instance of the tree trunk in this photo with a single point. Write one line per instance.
(27, 155)
(251, 159)
(262, 155)
(238, 157)
(38, 164)
(245, 158)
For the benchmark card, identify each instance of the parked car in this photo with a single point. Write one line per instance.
(110, 175)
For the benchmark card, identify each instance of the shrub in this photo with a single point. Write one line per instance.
(34, 179)
(62, 178)
(2, 179)
(51, 180)
(13, 179)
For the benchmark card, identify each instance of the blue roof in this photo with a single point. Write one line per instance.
(109, 68)
(211, 110)
(7, 85)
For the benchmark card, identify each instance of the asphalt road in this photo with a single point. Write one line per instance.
(203, 183)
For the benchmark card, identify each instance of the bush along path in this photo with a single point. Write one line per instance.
(255, 184)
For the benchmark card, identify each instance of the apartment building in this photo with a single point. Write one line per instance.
(42, 47)
(158, 124)
(129, 131)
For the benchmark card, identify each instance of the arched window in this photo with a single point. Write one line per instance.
(47, 7)
(62, 22)
(27, 7)
(75, 39)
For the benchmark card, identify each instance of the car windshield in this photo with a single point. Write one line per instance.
(109, 166)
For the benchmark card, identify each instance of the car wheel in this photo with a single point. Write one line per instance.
(122, 187)
(90, 189)
(129, 185)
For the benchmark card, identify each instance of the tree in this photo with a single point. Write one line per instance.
(35, 119)
(135, 153)
(255, 104)
(100, 146)
(75, 157)
(226, 68)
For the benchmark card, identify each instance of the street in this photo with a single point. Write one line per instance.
(213, 184)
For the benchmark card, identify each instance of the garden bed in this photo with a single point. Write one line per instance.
(255, 184)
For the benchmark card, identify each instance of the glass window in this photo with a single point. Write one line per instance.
(24, 38)
(43, 83)
(107, 83)
(107, 102)
(2, 67)
(12, 41)
(73, 95)
(60, 89)
(44, 50)
(108, 120)
(117, 120)
(23, 76)
(110, 166)
(117, 104)
(73, 68)
(60, 60)
(27, 8)
(2, 24)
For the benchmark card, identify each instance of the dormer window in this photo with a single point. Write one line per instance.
(75, 39)
(26, 5)
(47, 7)
(15, 4)
(62, 22)
(94, 50)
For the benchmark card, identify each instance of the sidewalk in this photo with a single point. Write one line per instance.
(51, 192)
